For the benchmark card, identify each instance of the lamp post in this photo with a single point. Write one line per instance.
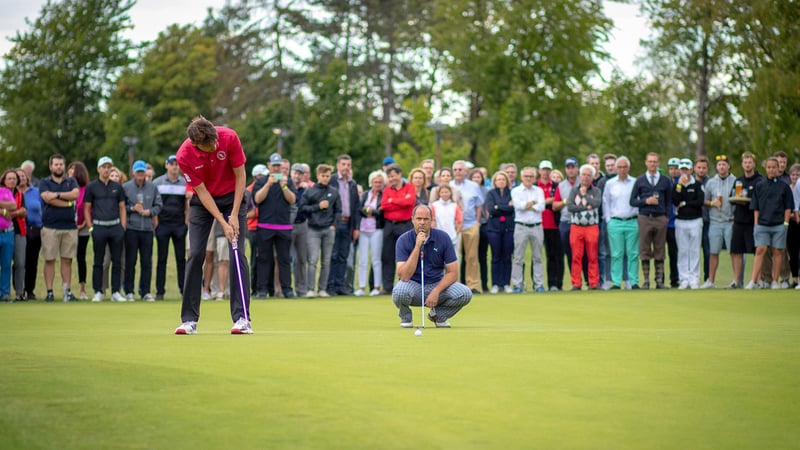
(437, 127)
(131, 141)
(279, 132)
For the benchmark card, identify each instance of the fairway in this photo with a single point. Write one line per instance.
(616, 369)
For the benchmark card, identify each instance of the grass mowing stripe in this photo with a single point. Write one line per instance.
(715, 369)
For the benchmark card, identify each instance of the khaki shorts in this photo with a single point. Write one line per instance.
(55, 243)
(219, 246)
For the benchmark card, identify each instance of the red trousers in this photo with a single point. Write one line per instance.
(584, 240)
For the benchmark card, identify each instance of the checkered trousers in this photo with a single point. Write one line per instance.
(451, 300)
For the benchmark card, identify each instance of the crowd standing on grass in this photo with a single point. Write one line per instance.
(311, 230)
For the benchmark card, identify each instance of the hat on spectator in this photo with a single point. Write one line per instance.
(685, 163)
(674, 162)
(388, 160)
(299, 167)
(104, 160)
(275, 159)
(259, 169)
(139, 166)
(545, 164)
(570, 162)
(171, 159)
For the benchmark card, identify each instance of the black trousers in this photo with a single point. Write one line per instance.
(114, 237)
(672, 251)
(555, 258)
(200, 223)
(391, 231)
(83, 244)
(32, 248)
(274, 244)
(164, 233)
(138, 243)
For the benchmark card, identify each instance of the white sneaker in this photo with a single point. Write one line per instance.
(241, 326)
(775, 285)
(117, 297)
(323, 293)
(784, 284)
(797, 287)
(508, 289)
(752, 285)
(148, 298)
(83, 296)
(187, 328)
(310, 294)
(205, 295)
(607, 285)
(98, 297)
(130, 297)
(694, 285)
(359, 293)
(684, 285)
(220, 296)
(708, 285)
(406, 324)
(494, 290)
(374, 292)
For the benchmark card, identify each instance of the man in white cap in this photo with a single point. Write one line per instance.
(550, 220)
(105, 215)
(688, 198)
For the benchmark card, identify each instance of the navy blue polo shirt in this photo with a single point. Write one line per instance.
(437, 252)
(56, 217)
(772, 197)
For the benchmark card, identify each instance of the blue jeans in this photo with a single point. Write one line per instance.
(6, 255)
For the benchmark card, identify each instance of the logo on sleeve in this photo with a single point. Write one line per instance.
(221, 155)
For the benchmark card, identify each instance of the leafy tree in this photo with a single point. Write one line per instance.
(175, 81)
(694, 47)
(770, 46)
(58, 76)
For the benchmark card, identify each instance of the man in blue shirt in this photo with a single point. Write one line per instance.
(433, 249)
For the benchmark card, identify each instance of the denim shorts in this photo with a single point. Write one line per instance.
(719, 234)
(774, 236)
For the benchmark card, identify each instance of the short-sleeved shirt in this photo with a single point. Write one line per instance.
(437, 252)
(214, 169)
(105, 199)
(772, 197)
(56, 217)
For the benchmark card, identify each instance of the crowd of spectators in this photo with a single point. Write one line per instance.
(311, 231)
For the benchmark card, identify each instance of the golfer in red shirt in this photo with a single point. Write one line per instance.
(212, 161)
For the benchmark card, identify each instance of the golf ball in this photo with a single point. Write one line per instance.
(418, 332)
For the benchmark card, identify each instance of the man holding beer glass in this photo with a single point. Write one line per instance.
(720, 214)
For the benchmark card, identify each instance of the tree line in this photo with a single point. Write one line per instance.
(511, 78)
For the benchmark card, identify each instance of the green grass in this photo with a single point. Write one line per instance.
(663, 369)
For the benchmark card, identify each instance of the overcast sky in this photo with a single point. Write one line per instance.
(152, 16)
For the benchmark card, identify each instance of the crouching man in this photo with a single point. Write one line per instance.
(432, 249)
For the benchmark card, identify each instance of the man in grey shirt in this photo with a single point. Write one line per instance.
(142, 203)
(720, 216)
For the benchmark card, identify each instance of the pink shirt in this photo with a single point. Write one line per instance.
(5, 196)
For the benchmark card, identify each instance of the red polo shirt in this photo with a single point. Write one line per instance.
(548, 220)
(214, 169)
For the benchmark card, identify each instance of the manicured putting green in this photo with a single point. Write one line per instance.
(667, 369)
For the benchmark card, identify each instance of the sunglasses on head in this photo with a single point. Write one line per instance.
(721, 158)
